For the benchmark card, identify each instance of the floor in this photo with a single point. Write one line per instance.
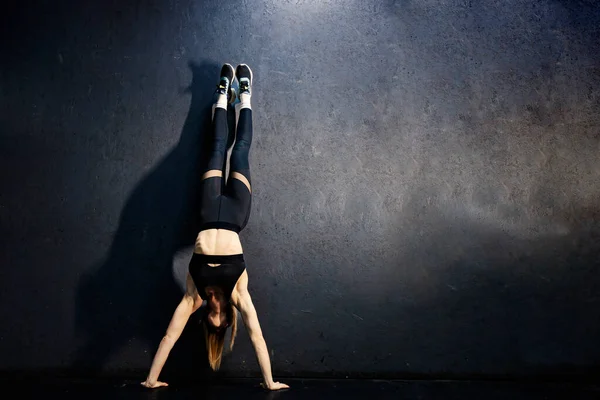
(304, 389)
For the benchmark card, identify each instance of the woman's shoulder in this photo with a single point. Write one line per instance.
(240, 290)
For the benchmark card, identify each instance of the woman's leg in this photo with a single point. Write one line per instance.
(219, 144)
(212, 179)
(239, 185)
(239, 163)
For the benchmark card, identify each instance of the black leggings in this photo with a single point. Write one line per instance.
(226, 204)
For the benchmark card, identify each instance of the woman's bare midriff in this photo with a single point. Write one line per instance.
(220, 242)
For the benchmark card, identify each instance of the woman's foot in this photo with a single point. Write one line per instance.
(244, 77)
(225, 86)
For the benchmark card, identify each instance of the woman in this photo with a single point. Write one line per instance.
(217, 272)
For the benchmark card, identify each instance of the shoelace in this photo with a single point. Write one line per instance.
(244, 85)
(224, 87)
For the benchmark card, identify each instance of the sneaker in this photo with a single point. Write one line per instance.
(244, 77)
(225, 85)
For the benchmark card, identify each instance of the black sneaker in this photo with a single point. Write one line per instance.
(225, 85)
(244, 77)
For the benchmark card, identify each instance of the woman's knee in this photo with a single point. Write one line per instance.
(239, 156)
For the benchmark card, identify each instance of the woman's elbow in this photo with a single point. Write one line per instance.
(255, 334)
(168, 339)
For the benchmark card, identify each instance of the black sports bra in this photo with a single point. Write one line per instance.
(224, 276)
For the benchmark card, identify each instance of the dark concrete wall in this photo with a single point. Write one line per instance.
(426, 180)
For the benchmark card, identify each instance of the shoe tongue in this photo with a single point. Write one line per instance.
(224, 83)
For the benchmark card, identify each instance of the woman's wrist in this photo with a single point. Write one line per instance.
(268, 382)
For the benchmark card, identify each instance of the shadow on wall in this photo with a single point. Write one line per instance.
(133, 294)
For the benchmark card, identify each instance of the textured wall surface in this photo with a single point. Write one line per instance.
(426, 181)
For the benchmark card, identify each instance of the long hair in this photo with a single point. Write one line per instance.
(215, 338)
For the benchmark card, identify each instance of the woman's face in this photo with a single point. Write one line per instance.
(217, 316)
(215, 300)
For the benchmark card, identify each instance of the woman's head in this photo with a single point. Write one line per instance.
(218, 316)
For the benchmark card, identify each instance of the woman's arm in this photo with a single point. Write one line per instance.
(190, 302)
(243, 302)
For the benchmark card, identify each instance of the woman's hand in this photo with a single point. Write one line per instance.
(275, 386)
(152, 385)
